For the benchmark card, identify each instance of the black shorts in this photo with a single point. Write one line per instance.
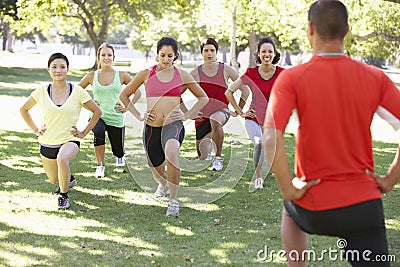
(205, 128)
(52, 152)
(361, 225)
(155, 138)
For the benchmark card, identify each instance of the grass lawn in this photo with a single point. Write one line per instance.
(115, 222)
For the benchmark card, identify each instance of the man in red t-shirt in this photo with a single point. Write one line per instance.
(335, 192)
(212, 77)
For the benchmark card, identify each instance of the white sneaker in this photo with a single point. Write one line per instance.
(100, 171)
(120, 162)
(258, 183)
(161, 191)
(173, 208)
(217, 164)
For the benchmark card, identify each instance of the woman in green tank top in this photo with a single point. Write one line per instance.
(107, 83)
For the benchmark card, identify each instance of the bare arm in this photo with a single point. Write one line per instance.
(132, 88)
(94, 108)
(24, 110)
(125, 78)
(195, 74)
(392, 177)
(274, 144)
(195, 89)
(86, 80)
(183, 107)
(245, 92)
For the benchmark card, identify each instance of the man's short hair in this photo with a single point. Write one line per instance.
(207, 41)
(330, 19)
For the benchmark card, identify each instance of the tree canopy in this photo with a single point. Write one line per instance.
(234, 23)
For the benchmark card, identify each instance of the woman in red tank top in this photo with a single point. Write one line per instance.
(260, 79)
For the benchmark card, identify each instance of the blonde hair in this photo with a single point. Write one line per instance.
(103, 45)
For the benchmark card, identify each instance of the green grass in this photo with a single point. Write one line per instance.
(114, 221)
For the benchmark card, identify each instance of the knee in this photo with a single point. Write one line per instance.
(258, 146)
(53, 180)
(172, 155)
(62, 160)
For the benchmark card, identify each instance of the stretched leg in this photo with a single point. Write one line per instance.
(99, 151)
(116, 136)
(255, 134)
(204, 146)
(67, 152)
(173, 170)
(50, 168)
(159, 174)
(217, 120)
(293, 239)
(99, 132)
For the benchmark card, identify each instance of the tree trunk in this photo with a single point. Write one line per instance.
(10, 41)
(288, 61)
(233, 43)
(252, 48)
(89, 23)
(7, 37)
(224, 51)
(4, 40)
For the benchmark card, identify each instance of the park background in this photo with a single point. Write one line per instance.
(114, 221)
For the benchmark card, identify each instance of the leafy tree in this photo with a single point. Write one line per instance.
(8, 13)
(375, 30)
(95, 15)
(179, 22)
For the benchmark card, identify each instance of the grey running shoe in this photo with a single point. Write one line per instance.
(217, 164)
(161, 191)
(63, 203)
(120, 162)
(72, 183)
(173, 208)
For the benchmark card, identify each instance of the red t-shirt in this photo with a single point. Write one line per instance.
(336, 99)
(260, 89)
(214, 87)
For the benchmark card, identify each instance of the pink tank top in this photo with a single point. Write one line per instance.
(156, 88)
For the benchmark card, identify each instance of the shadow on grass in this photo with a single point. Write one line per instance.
(113, 222)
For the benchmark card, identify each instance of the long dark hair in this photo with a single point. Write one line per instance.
(168, 41)
(264, 41)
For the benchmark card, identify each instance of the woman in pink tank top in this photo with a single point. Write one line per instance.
(163, 132)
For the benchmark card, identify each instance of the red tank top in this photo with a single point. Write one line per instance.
(214, 87)
(260, 90)
(155, 88)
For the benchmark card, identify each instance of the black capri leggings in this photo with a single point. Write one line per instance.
(116, 136)
(155, 138)
(361, 225)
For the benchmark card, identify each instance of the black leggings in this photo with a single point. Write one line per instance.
(155, 138)
(361, 225)
(116, 136)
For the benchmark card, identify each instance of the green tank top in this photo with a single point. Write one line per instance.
(108, 97)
